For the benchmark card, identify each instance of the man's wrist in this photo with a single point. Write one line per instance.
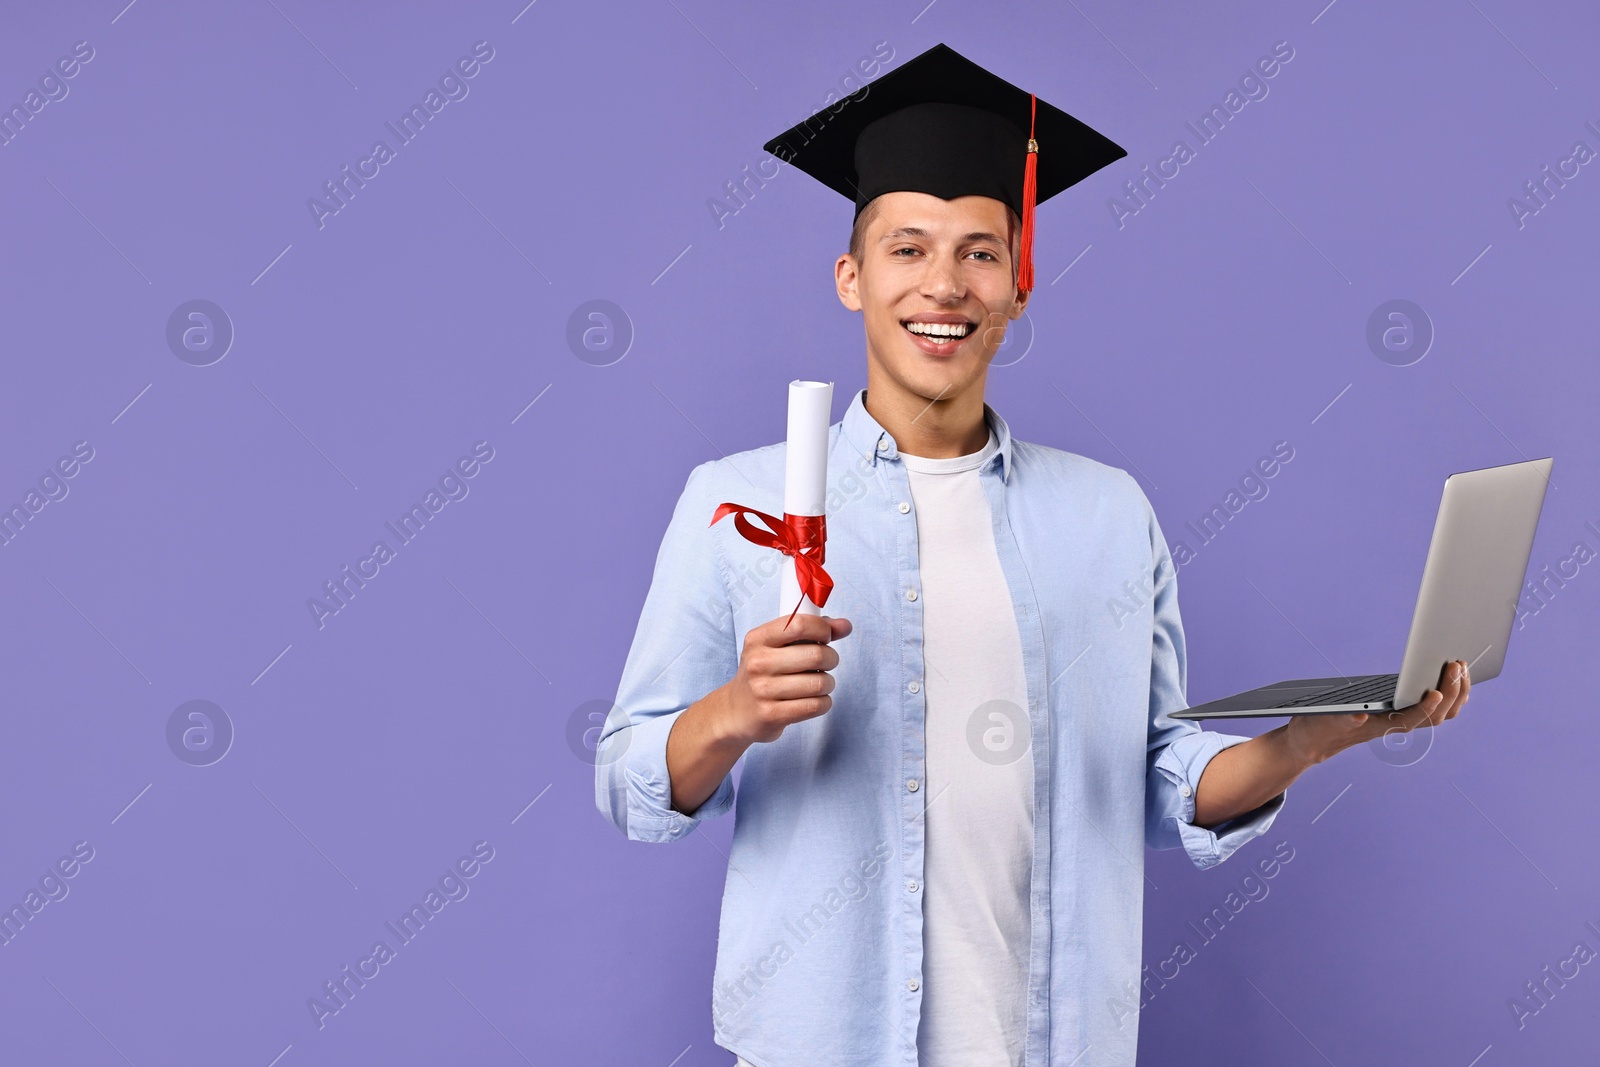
(720, 725)
(1297, 749)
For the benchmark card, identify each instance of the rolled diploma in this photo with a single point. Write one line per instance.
(805, 481)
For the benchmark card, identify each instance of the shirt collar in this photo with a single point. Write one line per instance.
(868, 437)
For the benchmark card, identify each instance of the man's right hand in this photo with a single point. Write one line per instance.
(783, 676)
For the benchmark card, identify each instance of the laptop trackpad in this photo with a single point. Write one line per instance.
(1299, 686)
(1269, 696)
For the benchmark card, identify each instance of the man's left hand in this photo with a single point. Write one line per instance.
(1316, 737)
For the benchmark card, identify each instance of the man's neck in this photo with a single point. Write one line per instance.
(943, 429)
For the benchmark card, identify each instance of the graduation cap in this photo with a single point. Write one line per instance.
(943, 125)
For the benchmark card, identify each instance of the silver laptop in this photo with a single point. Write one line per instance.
(1477, 562)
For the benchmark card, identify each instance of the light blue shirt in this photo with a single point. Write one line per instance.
(819, 949)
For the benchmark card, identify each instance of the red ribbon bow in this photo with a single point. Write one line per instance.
(800, 536)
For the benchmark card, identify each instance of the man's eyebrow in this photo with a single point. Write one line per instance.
(917, 231)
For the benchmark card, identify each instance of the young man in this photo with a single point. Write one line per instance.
(938, 854)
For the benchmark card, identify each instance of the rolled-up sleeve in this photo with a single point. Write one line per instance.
(682, 649)
(1178, 749)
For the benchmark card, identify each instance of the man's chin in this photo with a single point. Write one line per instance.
(938, 381)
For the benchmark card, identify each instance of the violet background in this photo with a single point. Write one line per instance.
(439, 707)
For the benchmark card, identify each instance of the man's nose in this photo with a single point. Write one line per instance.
(943, 280)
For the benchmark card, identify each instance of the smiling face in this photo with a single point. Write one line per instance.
(935, 283)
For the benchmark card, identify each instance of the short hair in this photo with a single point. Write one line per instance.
(858, 233)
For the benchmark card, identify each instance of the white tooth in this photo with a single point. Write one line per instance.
(938, 329)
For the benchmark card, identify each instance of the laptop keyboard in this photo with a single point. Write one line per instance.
(1376, 689)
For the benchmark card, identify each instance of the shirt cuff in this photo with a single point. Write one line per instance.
(650, 814)
(1183, 763)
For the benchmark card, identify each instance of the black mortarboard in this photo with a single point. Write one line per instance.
(943, 125)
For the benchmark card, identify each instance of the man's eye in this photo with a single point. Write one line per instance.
(897, 251)
(991, 255)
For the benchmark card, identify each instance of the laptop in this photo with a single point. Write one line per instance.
(1471, 583)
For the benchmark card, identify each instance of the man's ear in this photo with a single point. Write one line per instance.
(846, 276)
(1020, 305)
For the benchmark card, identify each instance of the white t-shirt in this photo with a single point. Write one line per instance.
(979, 777)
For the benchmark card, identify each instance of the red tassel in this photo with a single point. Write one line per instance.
(1030, 189)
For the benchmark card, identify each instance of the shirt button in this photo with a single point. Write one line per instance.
(912, 885)
(1185, 790)
(913, 985)
(911, 594)
(911, 784)
(883, 444)
(914, 687)
(905, 507)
